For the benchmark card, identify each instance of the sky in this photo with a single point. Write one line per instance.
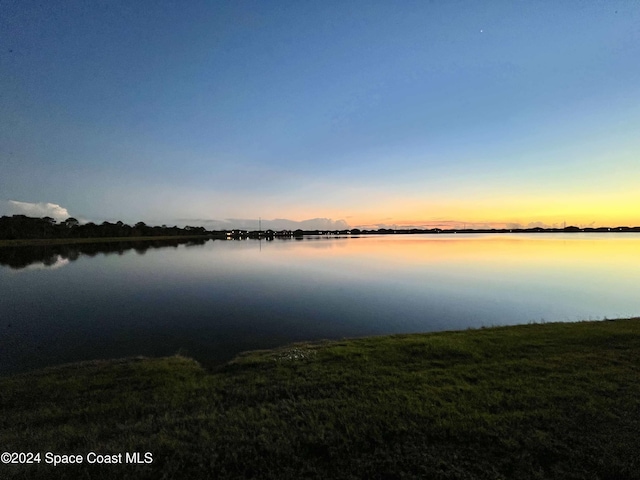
(374, 114)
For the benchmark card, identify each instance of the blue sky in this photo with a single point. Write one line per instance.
(373, 113)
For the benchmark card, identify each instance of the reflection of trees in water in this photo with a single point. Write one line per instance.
(50, 255)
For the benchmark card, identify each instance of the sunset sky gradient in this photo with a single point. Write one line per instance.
(379, 114)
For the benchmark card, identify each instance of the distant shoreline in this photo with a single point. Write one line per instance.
(30, 242)
(37, 242)
(20, 230)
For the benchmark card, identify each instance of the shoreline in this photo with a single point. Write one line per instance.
(310, 344)
(262, 235)
(37, 242)
(548, 400)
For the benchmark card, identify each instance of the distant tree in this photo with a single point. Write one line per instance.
(71, 222)
(87, 230)
(141, 229)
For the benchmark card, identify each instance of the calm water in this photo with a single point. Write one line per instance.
(213, 300)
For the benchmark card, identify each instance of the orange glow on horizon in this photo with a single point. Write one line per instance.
(595, 211)
(478, 208)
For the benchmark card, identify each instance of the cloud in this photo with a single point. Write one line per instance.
(533, 225)
(274, 224)
(439, 223)
(51, 265)
(418, 224)
(37, 210)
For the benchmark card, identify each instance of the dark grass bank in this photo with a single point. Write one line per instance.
(31, 242)
(544, 401)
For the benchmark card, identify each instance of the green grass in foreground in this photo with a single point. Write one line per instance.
(549, 401)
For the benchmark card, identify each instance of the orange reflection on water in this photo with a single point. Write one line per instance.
(575, 251)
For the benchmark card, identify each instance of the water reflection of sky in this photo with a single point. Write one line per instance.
(214, 300)
(53, 264)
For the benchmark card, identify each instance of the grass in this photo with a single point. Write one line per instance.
(541, 401)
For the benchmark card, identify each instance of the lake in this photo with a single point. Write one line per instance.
(213, 299)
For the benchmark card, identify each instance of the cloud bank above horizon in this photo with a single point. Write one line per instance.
(266, 224)
(42, 209)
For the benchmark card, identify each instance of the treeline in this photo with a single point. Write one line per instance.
(23, 227)
(20, 227)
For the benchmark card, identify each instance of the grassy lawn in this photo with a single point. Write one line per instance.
(543, 401)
